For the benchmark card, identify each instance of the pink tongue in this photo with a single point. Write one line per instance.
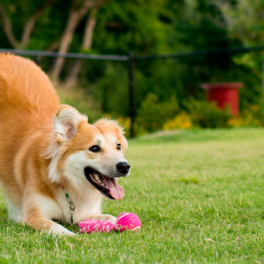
(116, 191)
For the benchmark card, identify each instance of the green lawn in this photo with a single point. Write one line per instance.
(199, 195)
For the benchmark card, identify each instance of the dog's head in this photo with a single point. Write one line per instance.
(88, 152)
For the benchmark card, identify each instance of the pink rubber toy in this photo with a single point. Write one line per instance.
(128, 221)
(125, 221)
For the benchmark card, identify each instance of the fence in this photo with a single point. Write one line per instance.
(131, 60)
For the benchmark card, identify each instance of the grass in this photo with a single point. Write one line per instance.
(199, 195)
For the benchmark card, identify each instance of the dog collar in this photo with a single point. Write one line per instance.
(70, 203)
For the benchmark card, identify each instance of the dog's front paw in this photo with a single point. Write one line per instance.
(110, 218)
(59, 230)
(104, 217)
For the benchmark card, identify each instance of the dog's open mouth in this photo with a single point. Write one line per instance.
(107, 186)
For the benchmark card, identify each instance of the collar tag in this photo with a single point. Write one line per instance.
(71, 205)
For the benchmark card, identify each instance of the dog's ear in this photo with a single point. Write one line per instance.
(66, 122)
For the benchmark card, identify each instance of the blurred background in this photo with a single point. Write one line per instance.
(167, 93)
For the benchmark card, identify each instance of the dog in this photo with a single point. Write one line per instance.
(55, 167)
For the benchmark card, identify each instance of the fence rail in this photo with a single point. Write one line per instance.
(127, 57)
(130, 59)
(200, 53)
(36, 53)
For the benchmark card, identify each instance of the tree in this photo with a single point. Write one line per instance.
(28, 27)
(77, 13)
(245, 24)
(147, 27)
(86, 45)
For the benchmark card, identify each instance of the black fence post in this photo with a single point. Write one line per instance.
(262, 81)
(132, 112)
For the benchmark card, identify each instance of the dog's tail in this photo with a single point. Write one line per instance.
(25, 87)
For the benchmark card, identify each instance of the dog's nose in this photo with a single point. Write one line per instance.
(123, 167)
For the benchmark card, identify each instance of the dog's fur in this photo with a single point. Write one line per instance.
(44, 146)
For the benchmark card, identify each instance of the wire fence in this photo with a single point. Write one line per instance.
(131, 60)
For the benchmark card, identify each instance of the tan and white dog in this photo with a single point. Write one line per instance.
(50, 156)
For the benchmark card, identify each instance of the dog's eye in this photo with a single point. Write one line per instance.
(118, 146)
(95, 148)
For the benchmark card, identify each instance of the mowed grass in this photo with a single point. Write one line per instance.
(200, 197)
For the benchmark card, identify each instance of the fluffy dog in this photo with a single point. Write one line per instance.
(54, 165)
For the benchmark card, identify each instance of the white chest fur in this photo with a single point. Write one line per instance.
(58, 209)
(87, 206)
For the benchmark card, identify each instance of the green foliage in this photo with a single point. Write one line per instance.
(136, 24)
(112, 90)
(153, 114)
(82, 101)
(257, 113)
(205, 114)
(251, 117)
(153, 27)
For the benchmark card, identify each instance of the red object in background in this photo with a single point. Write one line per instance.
(223, 94)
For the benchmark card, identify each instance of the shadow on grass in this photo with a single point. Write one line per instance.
(3, 213)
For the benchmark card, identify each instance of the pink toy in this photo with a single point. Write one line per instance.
(125, 221)
(92, 226)
(128, 221)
